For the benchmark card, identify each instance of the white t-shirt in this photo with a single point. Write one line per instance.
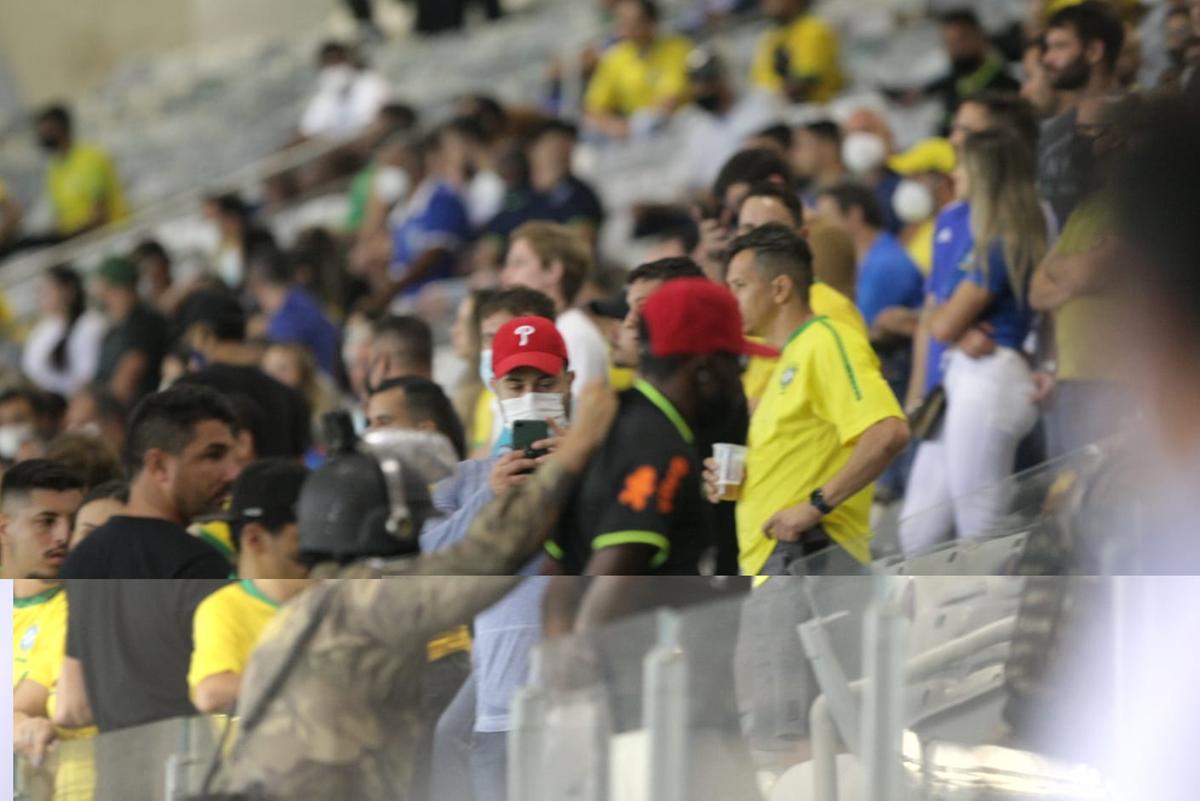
(83, 353)
(587, 351)
(344, 106)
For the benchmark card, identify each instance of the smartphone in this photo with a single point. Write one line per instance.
(527, 432)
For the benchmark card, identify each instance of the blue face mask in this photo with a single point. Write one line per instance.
(485, 367)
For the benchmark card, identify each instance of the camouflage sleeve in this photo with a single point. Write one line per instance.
(402, 609)
(508, 532)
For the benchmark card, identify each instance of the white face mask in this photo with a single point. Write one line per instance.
(335, 79)
(534, 406)
(913, 201)
(485, 367)
(229, 267)
(391, 184)
(12, 437)
(863, 152)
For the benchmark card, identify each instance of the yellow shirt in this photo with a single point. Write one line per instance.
(226, 628)
(77, 182)
(39, 622)
(1083, 326)
(628, 80)
(812, 50)
(920, 247)
(481, 424)
(218, 535)
(46, 660)
(825, 302)
(825, 391)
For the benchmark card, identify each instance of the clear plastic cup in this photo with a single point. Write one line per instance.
(731, 469)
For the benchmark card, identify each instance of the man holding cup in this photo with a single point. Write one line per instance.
(825, 430)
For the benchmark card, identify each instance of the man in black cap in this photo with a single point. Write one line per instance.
(262, 520)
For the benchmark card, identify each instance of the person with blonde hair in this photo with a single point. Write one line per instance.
(984, 319)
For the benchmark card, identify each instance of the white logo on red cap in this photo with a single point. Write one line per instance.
(525, 332)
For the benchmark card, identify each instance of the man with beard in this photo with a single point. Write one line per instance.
(180, 457)
(638, 509)
(1083, 43)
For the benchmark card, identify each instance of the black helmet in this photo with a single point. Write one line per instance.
(371, 498)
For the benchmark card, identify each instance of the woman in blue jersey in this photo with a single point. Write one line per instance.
(989, 398)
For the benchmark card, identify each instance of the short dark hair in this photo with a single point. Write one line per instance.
(519, 301)
(553, 125)
(827, 130)
(467, 127)
(779, 133)
(413, 334)
(231, 203)
(785, 196)
(217, 310)
(666, 270)
(58, 114)
(37, 474)
(167, 421)
(27, 394)
(150, 249)
(777, 251)
(86, 455)
(649, 8)
(116, 490)
(960, 16)
(750, 167)
(850, 195)
(269, 264)
(333, 48)
(427, 401)
(404, 115)
(1093, 21)
(1009, 110)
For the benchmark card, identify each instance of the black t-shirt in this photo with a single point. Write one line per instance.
(134, 639)
(642, 486)
(1059, 183)
(143, 548)
(144, 330)
(278, 414)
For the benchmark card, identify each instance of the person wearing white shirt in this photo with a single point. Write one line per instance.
(347, 99)
(554, 260)
(63, 349)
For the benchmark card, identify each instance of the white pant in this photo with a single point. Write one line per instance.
(956, 480)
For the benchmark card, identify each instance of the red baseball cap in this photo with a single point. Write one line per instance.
(695, 316)
(528, 342)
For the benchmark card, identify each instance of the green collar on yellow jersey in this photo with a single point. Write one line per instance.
(802, 328)
(40, 598)
(254, 592)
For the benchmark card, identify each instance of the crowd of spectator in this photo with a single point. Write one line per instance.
(868, 327)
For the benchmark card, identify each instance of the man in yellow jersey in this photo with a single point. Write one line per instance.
(37, 500)
(262, 521)
(826, 428)
(81, 181)
(644, 72)
(799, 57)
(925, 189)
(771, 203)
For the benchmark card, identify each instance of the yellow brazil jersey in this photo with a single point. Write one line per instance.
(825, 302)
(226, 628)
(482, 421)
(628, 80)
(39, 621)
(920, 246)
(811, 49)
(46, 661)
(825, 391)
(76, 182)
(217, 534)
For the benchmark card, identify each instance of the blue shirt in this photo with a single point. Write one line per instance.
(301, 321)
(887, 277)
(506, 632)
(952, 245)
(434, 217)
(1009, 317)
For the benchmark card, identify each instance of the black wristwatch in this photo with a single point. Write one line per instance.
(817, 499)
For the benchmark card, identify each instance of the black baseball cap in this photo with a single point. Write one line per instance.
(613, 307)
(266, 492)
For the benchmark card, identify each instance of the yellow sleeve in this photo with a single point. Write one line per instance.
(853, 395)
(601, 96)
(92, 173)
(675, 82)
(762, 72)
(45, 662)
(214, 643)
